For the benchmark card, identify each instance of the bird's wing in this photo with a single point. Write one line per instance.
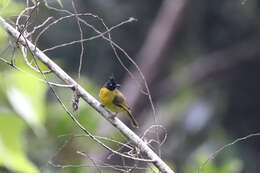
(120, 101)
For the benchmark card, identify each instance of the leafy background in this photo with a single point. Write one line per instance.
(205, 86)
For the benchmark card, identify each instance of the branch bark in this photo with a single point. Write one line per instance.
(155, 159)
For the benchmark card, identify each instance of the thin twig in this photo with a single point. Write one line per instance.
(40, 26)
(81, 38)
(33, 8)
(131, 19)
(103, 165)
(99, 137)
(153, 157)
(24, 32)
(41, 80)
(213, 155)
(74, 119)
(93, 161)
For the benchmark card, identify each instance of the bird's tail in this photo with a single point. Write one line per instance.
(133, 121)
(128, 112)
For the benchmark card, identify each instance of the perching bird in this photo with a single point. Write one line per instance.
(114, 100)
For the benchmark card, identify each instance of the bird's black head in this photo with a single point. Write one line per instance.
(111, 84)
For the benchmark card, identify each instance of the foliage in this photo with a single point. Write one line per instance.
(228, 165)
(12, 150)
(31, 119)
(9, 8)
(23, 109)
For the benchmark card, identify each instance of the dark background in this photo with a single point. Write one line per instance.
(208, 48)
(200, 60)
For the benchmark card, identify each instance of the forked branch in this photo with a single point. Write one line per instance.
(155, 159)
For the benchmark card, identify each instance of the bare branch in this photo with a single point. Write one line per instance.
(81, 38)
(153, 157)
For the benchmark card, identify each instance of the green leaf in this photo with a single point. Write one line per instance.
(4, 3)
(59, 1)
(3, 36)
(12, 154)
(26, 96)
(10, 8)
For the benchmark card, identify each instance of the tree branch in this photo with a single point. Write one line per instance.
(155, 159)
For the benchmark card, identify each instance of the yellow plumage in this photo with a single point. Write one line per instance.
(106, 97)
(114, 100)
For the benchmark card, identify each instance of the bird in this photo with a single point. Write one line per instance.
(113, 99)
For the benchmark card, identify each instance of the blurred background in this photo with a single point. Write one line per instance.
(200, 60)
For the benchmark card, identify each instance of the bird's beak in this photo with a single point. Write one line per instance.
(118, 85)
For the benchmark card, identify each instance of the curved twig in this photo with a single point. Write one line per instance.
(153, 157)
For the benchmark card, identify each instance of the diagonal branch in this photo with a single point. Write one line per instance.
(155, 159)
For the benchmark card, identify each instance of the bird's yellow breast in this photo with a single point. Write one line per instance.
(106, 97)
